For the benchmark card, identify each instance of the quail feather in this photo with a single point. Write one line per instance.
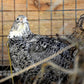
(27, 48)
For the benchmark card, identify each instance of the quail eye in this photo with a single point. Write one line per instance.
(17, 18)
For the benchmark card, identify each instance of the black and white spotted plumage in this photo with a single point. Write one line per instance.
(31, 48)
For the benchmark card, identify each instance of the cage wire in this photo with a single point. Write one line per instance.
(5, 69)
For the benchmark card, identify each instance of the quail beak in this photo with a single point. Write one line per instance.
(21, 20)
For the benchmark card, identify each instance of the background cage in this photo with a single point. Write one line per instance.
(46, 17)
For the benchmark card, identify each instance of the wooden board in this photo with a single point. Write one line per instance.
(45, 17)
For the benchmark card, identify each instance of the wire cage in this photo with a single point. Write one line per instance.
(46, 17)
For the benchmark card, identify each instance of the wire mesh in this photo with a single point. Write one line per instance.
(38, 21)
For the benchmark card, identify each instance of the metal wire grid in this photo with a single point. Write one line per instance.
(2, 32)
(51, 19)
